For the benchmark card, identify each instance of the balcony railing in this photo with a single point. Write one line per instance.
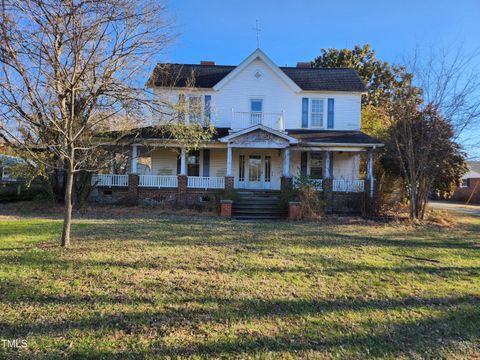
(158, 181)
(348, 185)
(109, 180)
(205, 182)
(242, 120)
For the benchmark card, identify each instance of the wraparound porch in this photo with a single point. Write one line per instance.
(202, 182)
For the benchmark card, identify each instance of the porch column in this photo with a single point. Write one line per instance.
(229, 161)
(286, 162)
(133, 169)
(328, 183)
(327, 165)
(229, 181)
(114, 164)
(370, 172)
(183, 162)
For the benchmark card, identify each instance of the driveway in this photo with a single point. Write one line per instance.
(466, 209)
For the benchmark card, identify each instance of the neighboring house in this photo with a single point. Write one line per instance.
(469, 189)
(272, 124)
(7, 162)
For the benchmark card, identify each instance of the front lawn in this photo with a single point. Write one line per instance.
(165, 286)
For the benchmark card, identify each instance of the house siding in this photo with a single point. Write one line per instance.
(164, 162)
(276, 95)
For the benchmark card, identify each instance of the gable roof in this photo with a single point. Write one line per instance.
(210, 76)
(280, 134)
(258, 55)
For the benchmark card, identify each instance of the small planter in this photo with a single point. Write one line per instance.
(226, 208)
(294, 210)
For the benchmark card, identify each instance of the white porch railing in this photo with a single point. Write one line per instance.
(348, 185)
(158, 181)
(242, 120)
(206, 182)
(109, 180)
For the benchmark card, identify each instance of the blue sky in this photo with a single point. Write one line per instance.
(292, 31)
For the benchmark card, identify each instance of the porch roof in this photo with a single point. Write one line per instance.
(340, 137)
(301, 137)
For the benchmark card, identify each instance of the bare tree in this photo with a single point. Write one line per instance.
(70, 66)
(450, 81)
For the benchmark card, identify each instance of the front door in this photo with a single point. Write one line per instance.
(255, 172)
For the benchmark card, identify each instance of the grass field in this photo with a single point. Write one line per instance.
(132, 287)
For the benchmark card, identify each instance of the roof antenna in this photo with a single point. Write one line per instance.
(257, 29)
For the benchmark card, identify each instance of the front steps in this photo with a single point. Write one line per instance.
(258, 205)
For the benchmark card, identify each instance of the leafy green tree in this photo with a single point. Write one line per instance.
(379, 76)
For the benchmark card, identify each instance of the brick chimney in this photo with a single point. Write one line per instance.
(303, 65)
(206, 62)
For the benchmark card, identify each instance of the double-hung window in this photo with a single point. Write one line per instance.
(195, 109)
(316, 165)
(316, 113)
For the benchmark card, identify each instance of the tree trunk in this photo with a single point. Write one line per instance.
(65, 242)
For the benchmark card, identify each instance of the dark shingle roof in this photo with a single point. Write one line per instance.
(304, 135)
(332, 137)
(206, 76)
(158, 132)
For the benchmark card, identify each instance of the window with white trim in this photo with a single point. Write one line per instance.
(316, 165)
(316, 113)
(194, 109)
(465, 183)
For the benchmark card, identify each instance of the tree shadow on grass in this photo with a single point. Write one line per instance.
(455, 319)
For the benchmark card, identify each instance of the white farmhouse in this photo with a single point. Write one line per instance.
(273, 124)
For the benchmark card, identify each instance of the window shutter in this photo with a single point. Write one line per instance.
(206, 162)
(304, 112)
(208, 111)
(303, 163)
(331, 105)
(179, 164)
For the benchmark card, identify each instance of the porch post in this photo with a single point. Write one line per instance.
(229, 161)
(328, 184)
(327, 165)
(114, 164)
(229, 181)
(286, 162)
(183, 162)
(133, 169)
(370, 172)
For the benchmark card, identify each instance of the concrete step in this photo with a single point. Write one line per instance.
(255, 205)
(260, 211)
(258, 217)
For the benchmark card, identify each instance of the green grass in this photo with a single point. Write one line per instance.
(189, 287)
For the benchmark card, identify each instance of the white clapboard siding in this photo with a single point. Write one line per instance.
(277, 97)
(164, 162)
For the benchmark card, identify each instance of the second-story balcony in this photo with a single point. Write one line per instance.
(242, 120)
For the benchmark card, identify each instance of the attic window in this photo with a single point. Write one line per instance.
(258, 75)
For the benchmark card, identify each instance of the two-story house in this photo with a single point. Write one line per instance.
(272, 124)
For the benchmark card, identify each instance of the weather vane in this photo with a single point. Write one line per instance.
(257, 29)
